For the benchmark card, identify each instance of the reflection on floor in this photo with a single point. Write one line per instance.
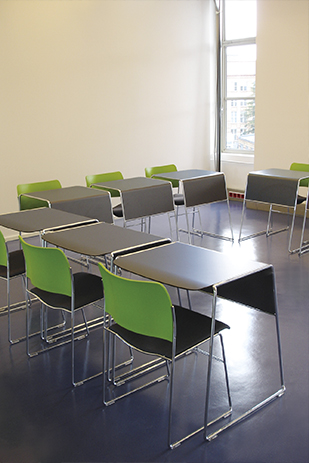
(43, 419)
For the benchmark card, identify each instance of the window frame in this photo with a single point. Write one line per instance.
(225, 44)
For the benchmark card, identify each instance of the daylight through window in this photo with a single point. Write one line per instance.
(239, 67)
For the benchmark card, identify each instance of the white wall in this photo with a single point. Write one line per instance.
(93, 86)
(282, 85)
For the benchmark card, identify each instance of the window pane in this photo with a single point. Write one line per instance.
(240, 133)
(240, 19)
(240, 72)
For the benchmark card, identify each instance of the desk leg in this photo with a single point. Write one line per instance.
(304, 246)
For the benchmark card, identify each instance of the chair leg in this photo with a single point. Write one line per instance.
(72, 347)
(226, 376)
(85, 321)
(9, 309)
(171, 385)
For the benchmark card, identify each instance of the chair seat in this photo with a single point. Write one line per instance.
(17, 264)
(117, 210)
(300, 199)
(192, 327)
(85, 285)
(178, 199)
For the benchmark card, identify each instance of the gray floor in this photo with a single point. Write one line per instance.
(43, 419)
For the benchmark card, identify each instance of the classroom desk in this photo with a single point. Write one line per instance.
(274, 186)
(142, 197)
(199, 269)
(38, 220)
(78, 200)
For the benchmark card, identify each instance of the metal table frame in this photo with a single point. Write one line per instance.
(275, 187)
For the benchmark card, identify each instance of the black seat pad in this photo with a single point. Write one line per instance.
(16, 262)
(192, 329)
(88, 288)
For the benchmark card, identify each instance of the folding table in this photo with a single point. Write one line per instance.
(275, 186)
(199, 269)
(142, 197)
(78, 200)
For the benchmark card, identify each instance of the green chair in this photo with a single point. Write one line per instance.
(150, 171)
(12, 265)
(32, 203)
(145, 319)
(107, 177)
(303, 168)
(57, 287)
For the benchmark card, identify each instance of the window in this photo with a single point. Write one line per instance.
(238, 82)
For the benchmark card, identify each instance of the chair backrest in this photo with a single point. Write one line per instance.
(32, 203)
(303, 168)
(150, 171)
(47, 268)
(3, 251)
(143, 307)
(106, 177)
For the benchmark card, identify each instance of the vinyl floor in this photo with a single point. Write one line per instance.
(44, 420)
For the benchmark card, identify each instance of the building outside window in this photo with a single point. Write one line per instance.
(238, 83)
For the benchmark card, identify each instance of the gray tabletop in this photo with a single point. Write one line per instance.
(37, 220)
(127, 184)
(185, 266)
(70, 193)
(184, 174)
(100, 239)
(281, 173)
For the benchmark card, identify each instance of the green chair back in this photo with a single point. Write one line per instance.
(106, 177)
(47, 268)
(150, 171)
(3, 251)
(303, 168)
(143, 307)
(31, 203)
